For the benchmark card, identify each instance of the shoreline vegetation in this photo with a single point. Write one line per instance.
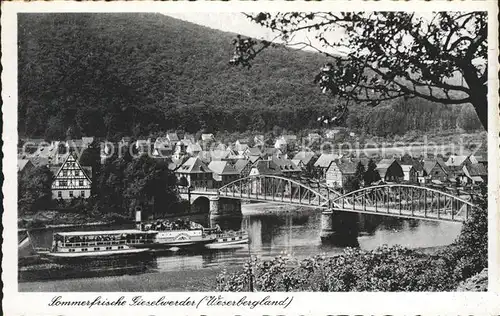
(459, 266)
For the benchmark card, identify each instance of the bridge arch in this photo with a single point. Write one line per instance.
(278, 189)
(201, 204)
(405, 200)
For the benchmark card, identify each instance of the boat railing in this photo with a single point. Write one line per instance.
(107, 243)
(239, 233)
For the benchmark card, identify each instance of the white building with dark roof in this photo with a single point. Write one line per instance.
(194, 172)
(72, 180)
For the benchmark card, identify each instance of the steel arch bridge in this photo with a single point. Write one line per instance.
(404, 200)
(398, 200)
(277, 189)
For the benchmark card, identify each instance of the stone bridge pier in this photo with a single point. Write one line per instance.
(224, 207)
(339, 228)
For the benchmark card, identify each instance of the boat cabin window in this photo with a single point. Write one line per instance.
(97, 240)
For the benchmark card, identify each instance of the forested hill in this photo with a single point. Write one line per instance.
(112, 75)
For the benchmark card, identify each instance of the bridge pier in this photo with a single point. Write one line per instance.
(220, 207)
(339, 228)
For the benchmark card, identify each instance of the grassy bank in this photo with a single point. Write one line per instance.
(202, 280)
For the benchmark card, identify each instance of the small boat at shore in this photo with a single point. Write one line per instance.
(97, 244)
(228, 239)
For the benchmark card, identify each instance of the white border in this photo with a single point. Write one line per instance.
(15, 303)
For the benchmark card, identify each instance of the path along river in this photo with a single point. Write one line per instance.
(274, 230)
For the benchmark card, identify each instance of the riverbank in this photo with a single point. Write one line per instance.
(192, 280)
(61, 219)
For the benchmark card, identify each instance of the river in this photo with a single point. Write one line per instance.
(274, 230)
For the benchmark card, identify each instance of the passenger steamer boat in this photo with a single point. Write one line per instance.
(177, 234)
(97, 244)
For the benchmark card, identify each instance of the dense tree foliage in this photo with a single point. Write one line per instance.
(114, 75)
(371, 174)
(440, 57)
(127, 185)
(34, 190)
(360, 171)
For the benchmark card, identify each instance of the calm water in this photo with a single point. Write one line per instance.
(274, 230)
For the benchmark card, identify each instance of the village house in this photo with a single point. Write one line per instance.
(172, 137)
(72, 180)
(390, 170)
(306, 158)
(193, 149)
(24, 165)
(299, 164)
(163, 143)
(180, 150)
(410, 174)
(455, 164)
(268, 153)
(323, 162)
(162, 148)
(313, 137)
(252, 151)
(339, 172)
(254, 159)
(281, 144)
(241, 145)
(242, 166)
(31, 145)
(207, 137)
(265, 167)
(474, 173)
(220, 154)
(335, 133)
(481, 157)
(223, 173)
(435, 169)
(287, 167)
(284, 142)
(194, 172)
(188, 136)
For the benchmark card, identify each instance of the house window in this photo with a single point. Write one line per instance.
(80, 182)
(65, 173)
(77, 172)
(63, 183)
(70, 194)
(82, 193)
(59, 194)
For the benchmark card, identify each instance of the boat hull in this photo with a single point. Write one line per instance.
(101, 255)
(228, 242)
(174, 243)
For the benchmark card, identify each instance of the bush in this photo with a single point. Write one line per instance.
(384, 269)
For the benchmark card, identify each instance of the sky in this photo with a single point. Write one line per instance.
(225, 21)
(237, 23)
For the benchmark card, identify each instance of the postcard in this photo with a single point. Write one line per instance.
(264, 158)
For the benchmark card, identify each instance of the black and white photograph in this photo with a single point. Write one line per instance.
(253, 151)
